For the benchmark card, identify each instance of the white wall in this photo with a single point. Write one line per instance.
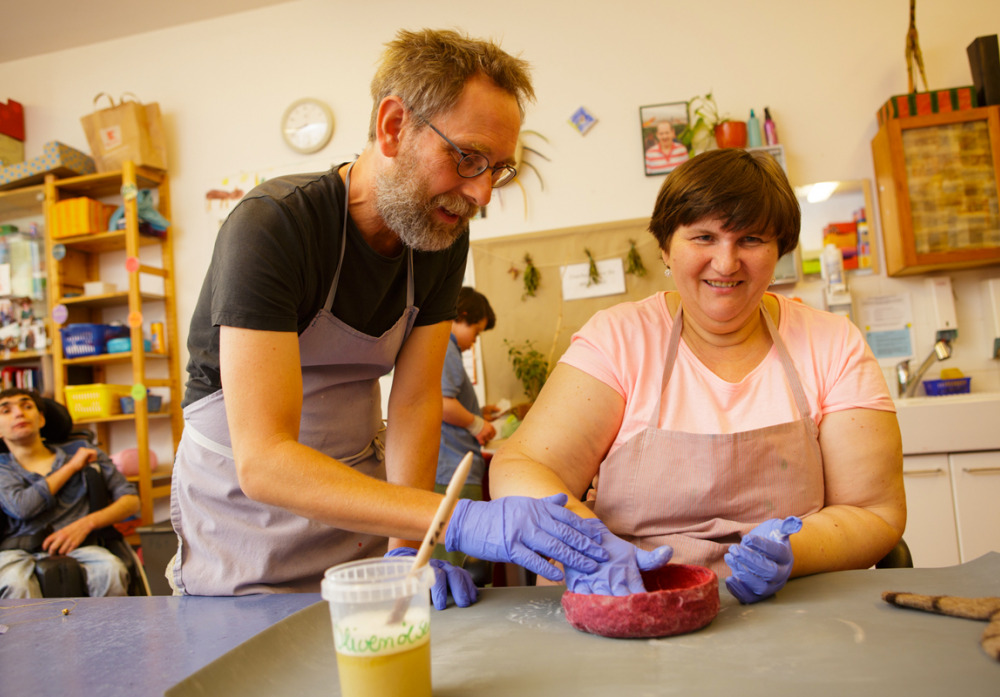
(822, 68)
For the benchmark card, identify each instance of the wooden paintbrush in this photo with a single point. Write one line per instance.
(434, 531)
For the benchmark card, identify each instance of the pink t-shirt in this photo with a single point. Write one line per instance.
(625, 347)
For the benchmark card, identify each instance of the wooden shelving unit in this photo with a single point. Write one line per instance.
(74, 261)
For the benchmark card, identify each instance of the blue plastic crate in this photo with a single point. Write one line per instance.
(937, 388)
(81, 340)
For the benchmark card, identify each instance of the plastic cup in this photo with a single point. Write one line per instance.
(376, 656)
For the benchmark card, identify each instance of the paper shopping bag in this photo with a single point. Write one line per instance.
(128, 130)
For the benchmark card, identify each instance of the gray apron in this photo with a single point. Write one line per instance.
(230, 545)
(700, 493)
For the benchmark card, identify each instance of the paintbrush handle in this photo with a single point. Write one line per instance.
(455, 485)
(434, 531)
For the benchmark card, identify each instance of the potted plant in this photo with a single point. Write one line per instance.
(531, 369)
(709, 124)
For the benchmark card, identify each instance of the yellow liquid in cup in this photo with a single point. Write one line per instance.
(400, 674)
(376, 659)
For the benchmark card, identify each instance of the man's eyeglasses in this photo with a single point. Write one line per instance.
(472, 164)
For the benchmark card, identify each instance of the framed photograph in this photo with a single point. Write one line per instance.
(661, 125)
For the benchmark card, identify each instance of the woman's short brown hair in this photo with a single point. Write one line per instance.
(745, 190)
(428, 70)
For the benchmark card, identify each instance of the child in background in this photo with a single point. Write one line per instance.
(465, 426)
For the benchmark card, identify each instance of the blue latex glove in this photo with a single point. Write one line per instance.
(620, 574)
(762, 562)
(520, 530)
(446, 577)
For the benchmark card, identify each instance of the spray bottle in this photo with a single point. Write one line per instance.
(753, 131)
(770, 131)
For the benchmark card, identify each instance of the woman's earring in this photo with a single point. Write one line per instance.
(666, 271)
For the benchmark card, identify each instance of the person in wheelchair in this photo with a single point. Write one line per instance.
(44, 499)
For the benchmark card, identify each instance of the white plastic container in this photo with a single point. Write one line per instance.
(376, 656)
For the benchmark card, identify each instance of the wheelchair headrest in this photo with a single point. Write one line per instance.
(58, 423)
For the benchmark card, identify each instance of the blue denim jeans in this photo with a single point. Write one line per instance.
(106, 574)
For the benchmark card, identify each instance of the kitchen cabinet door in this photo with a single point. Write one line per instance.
(976, 483)
(931, 532)
(938, 190)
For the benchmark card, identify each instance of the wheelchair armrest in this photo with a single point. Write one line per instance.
(61, 577)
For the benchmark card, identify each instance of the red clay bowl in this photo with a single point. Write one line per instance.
(679, 598)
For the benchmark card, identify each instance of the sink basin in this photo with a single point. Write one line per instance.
(950, 423)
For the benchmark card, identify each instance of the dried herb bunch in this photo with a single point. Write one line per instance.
(531, 277)
(633, 261)
(593, 275)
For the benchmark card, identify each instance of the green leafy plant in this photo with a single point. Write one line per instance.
(530, 367)
(706, 117)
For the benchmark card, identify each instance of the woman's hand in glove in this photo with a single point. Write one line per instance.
(762, 562)
(620, 574)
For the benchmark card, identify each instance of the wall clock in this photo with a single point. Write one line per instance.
(307, 125)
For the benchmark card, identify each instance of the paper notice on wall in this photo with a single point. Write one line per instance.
(577, 281)
(887, 322)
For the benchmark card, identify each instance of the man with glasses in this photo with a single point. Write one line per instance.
(320, 284)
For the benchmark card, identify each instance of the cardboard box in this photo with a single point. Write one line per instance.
(937, 102)
(61, 160)
(12, 119)
(79, 216)
(99, 288)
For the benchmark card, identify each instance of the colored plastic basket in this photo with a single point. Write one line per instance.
(936, 388)
(97, 401)
(154, 402)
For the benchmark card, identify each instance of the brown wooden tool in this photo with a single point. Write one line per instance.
(970, 608)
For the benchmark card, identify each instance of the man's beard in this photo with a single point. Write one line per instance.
(402, 203)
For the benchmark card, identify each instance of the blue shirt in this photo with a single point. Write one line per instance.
(29, 505)
(455, 440)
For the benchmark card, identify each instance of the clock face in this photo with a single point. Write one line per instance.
(307, 125)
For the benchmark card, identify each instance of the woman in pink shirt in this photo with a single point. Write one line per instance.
(718, 419)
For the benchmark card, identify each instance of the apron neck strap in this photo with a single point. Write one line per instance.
(328, 305)
(786, 363)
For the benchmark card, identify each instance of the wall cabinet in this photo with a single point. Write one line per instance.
(144, 265)
(952, 511)
(938, 190)
(25, 360)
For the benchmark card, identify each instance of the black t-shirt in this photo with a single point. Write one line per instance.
(274, 262)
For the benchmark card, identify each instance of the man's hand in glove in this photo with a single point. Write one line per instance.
(447, 577)
(525, 531)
